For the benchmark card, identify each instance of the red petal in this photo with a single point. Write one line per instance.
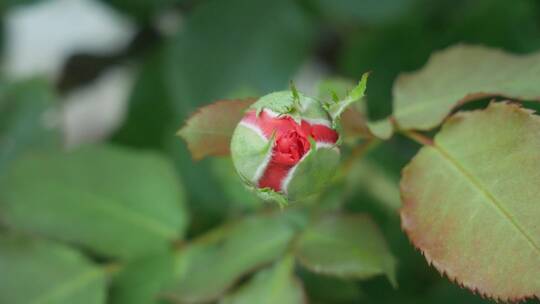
(274, 175)
(269, 124)
(279, 165)
(321, 133)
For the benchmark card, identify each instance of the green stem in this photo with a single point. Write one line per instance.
(358, 152)
(418, 137)
(112, 268)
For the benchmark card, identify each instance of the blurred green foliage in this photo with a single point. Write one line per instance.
(220, 49)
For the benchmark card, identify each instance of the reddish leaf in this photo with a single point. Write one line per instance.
(208, 132)
(460, 74)
(354, 124)
(471, 201)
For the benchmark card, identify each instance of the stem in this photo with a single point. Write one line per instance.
(418, 137)
(112, 268)
(358, 152)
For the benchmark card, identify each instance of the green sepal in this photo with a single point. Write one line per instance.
(336, 108)
(268, 194)
(335, 96)
(282, 102)
(296, 97)
(313, 173)
(248, 150)
(291, 103)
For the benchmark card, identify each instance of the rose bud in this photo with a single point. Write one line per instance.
(285, 147)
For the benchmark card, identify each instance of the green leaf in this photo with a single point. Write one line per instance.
(152, 121)
(383, 128)
(323, 289)
(335, 88)
(335, 109)
(39, 271)
(274, 285)
(114, 201)
(370, 178)
(353, 120)
(140, 281)
(256, 54)
(24, 122)
(387, 51)
(208, 132)
(471, 204)
(371, 12)
(346, 246)
(143, 10)
(459, 74)
(208, 267)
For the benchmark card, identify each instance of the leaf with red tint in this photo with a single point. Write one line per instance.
(208, 132)
(459, 74)
(354, 124)
(471, 201)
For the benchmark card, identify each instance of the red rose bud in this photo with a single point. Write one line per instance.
(285, 146)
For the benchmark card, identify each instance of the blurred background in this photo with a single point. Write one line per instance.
(130, 72)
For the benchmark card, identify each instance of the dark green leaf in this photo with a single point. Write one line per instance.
(385, 51)
(371, 179)
(362, 11)
(143, 10)
(323, 289)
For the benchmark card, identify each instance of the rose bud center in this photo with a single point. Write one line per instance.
(290, 147)
(291, 143)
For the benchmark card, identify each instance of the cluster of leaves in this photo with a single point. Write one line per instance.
(126, 210)
(457, 209)
(135, 220)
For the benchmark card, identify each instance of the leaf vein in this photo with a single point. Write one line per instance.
(65, 289)
(496, 203)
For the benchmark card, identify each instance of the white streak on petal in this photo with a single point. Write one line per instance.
(318, 121)
(253, 128)
(324, 144)
(271, 113)
(262, 167)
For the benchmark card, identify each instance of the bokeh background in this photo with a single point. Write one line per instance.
(131, 71)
